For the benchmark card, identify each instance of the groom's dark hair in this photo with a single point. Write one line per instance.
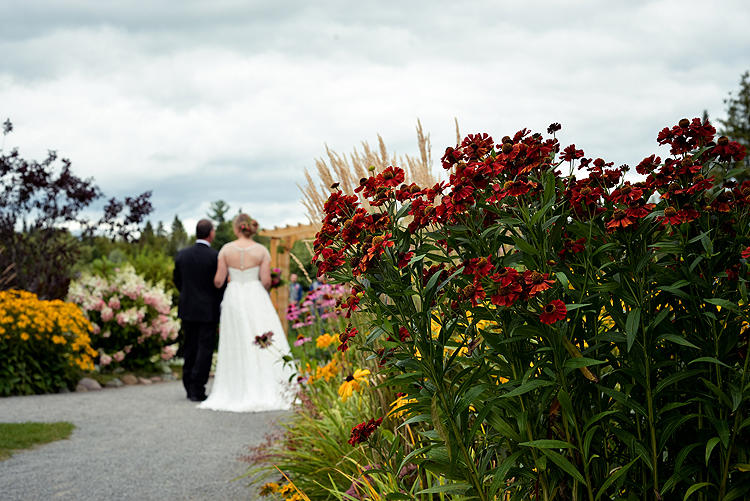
(203, 228)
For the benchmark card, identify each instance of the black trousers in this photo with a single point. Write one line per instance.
(199, 344)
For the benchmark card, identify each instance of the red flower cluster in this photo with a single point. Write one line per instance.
(362, 431)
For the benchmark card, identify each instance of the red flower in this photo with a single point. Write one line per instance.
(626, 194)
(572, 246)
(345, 336)
(647, 165)
(571, 153)
(505, 276)
(404, 259)
(729, 150)
(362, 431)
(746, 253)
(553, 312)
(403, 334)
(476, 146)
(474, 292)
(619, 219)
(478, 266)
(536, 282)
(507, 295)
(639, 209)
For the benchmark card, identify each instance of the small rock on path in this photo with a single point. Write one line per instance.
(132, 443)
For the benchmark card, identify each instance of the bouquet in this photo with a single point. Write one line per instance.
(276, 280)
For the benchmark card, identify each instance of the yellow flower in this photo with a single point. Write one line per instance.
(286, 490)
(325, 340)
(59, 340)
(352, 383)
(25, 336)
(269, 488)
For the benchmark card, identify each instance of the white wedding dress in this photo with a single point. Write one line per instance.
(249, 378)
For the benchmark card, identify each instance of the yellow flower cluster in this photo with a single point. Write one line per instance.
(325, 340)
(325, 372)
(59, 325)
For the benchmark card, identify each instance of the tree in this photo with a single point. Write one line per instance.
(224, 233)
(217, 211)
(737, 124)
(41, 203)
(148, 236)
(178, 237)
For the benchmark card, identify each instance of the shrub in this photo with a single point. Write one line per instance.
(559, 338)
(44, 345)
(134, 322)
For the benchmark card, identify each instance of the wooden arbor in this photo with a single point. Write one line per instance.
(282, 240)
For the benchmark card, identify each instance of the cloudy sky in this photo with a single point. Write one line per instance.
(227, 99)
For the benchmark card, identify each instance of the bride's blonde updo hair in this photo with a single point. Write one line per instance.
(245, 225)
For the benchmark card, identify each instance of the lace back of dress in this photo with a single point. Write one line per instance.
(243, 258)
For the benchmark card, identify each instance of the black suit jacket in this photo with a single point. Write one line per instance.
(194, 271)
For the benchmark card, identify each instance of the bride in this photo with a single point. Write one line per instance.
(250, 373)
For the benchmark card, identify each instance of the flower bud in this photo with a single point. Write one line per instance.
(723, 140)
(684, 123)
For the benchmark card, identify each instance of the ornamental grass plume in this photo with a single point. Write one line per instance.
(347, 171)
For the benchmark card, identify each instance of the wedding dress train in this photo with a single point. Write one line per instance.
(249, 378)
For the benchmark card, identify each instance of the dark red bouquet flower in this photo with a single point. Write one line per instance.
(264, 340)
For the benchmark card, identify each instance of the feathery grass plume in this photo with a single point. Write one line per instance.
(301, 266)
(347, 171)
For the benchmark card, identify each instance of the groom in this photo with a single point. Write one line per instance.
(194, 271)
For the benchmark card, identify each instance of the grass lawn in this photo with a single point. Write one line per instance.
(17, 436)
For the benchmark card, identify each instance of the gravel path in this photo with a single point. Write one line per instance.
(132, 443)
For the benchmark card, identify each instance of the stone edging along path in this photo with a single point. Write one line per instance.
(136, 442)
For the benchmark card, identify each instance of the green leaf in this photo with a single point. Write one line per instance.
(631, 325)
(678, 340)
(710, 360)
(722, 303)
(597, 417)
(696, 487)
(564, 464)
(397, 495)
(618, 472)
(576, 363)
(528, 386)
(525, 246)
(457, 488)
(710, 447)
(548, 444)
(575, 306)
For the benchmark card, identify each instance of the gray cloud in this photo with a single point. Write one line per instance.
(232, 100)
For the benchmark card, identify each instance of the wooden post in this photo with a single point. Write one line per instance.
(285, 237)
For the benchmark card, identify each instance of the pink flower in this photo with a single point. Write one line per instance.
(106, 334)
(107, 314)
(114, 303)
(95, 328)
(302, 340)
(104, 359)
(119, 356)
